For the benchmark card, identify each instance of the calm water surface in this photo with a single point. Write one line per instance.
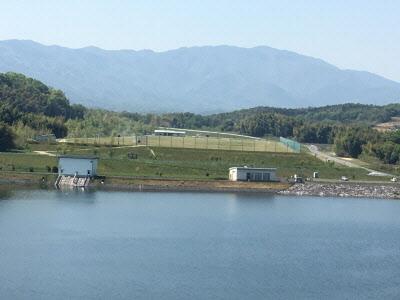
(120, 245)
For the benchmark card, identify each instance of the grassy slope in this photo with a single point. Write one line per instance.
(189, 142)
(22, 162)
(191, 163)
(181, 163)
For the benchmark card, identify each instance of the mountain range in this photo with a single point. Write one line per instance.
(197, 79)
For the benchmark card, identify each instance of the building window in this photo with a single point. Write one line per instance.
(258, 176)
(266, 176)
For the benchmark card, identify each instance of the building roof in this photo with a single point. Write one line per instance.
(254, 169)
(169, 131)
(78, 156)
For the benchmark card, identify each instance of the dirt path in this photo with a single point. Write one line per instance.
(51, 153)
(45, 153)
(341, 161)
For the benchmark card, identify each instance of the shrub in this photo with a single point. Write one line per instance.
(6, 138)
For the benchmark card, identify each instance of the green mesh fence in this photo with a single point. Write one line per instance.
(295, 146)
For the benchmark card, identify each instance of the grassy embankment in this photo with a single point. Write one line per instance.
(189, 142)
(175, 163)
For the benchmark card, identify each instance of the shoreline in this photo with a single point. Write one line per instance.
(322, 189)
(147, 184)
(174, 185)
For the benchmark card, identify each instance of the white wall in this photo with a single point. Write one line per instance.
(71, 166)
(241, 174)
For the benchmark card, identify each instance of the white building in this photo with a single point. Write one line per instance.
(252, 174)
(79, 166)
(165, 132)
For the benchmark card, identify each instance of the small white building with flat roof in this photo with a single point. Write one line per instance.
(78, 166)
(252, 174)
(166, 132)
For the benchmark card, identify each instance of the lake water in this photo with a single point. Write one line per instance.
(121, 245)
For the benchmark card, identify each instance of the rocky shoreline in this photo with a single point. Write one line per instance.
(344, 190)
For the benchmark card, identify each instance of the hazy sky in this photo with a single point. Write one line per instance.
(363, 35)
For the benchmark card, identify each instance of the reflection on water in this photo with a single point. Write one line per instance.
(76, 194)
(6, 193)
(75, 244)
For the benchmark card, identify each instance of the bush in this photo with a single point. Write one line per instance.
(54, 169)
(6, 138)
(387, 152)
(351, 141)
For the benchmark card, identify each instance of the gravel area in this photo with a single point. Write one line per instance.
(344, 190)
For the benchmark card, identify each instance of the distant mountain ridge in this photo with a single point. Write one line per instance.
(197, 79)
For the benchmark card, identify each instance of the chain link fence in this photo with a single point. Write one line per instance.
(194, 142)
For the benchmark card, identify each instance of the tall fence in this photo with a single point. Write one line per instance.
(295, 146)
(189, 142)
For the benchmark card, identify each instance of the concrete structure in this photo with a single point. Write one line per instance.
(252, 174)
(165, 132)
(45, 138)
(298, 179)
(77, 166)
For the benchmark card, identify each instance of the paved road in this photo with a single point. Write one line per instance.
(326, 157)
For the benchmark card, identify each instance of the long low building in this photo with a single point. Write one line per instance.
(166, 132)
(252, 174)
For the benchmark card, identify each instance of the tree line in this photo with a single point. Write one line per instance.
(30, 106)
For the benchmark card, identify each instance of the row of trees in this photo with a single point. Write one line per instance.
(354, 141)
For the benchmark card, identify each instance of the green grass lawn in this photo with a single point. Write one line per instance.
(26, 162)
(197, 163)
(179, 163)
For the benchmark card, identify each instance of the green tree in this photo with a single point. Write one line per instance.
(6, 138)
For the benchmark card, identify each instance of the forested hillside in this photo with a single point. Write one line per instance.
(344, 113)
(28, 107)
(313, 125)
